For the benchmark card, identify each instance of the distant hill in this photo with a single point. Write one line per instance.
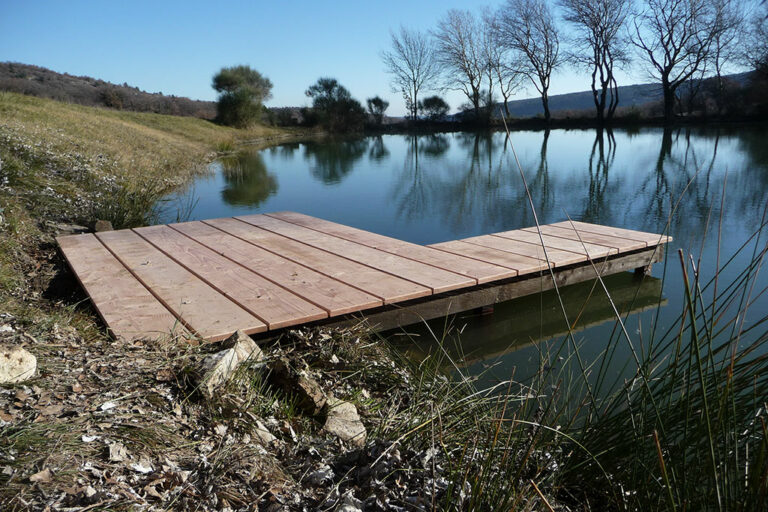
(84, 90)
(640, 95)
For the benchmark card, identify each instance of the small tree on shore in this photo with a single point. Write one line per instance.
(376, 108)
(336, 110)
(242, 92)
(433, 107)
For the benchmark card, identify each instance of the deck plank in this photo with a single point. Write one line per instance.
(482, 272)
(130, 311)
(521, 264)
(209, 313)
(620, 244)
(556, 257)
(273, 305)
(330, 294)
(650, 239)
(437, 279)
(382, 285)
(593, 251)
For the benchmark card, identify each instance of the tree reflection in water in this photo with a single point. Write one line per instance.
(247, 181)
(332, 161)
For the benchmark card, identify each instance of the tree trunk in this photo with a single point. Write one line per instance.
(545, 104)
(669, 104)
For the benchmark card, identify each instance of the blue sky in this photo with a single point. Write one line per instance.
(176, 46)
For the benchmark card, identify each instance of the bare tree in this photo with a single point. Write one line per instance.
(728, 19)
(502, 64)
(528, 28)
(755, 44)
(600, 44)
(676, 38)
(412, 64)
(459, 44)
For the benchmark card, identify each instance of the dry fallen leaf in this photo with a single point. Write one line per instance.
(43, 476)
(117, 452)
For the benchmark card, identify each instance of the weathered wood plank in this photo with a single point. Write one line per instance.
(521, 264)
(556, 256)
(630, 234)
(593, 251)
(620, 244)
(380, 284)
(482, 272)
(272, 304)
(492, 293)
(330, 294)
(209, 313)
(437, 279)
(130, 311)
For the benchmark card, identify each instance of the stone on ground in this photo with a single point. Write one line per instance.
(16, 365)
(343, 421)
(309, 394)
(219, 367)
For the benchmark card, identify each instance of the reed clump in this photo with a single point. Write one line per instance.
(686, 432)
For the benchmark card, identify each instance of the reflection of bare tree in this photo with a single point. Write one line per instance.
(409, 191)
(686, 173)
(378, 151)
(598, 175)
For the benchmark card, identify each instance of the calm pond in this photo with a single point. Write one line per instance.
(432, 188)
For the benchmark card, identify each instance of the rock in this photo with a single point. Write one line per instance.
(343, 421)
(117, 452)
(102, 225)
(310, 395)
(43, 476)
(219, 367)
(16, 365)
(264, 435)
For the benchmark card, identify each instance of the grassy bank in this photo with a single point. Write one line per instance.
(63, 163)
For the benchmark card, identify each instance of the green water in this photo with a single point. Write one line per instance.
(432, 188)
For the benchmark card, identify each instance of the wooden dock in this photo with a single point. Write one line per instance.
(262, 273)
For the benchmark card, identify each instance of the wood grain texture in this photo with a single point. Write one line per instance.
(270, 303)
(209, 313)
(330, 294)
(521, 264)
(482, 272)
(556, 257)
(380, 284)
(630, 234)
(130, 311)
(438, 280)
(593, 251)
(620, 244)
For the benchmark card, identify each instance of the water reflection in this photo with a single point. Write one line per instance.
(379, 151)
(331, 161)
(247, 182)
(431, 188)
